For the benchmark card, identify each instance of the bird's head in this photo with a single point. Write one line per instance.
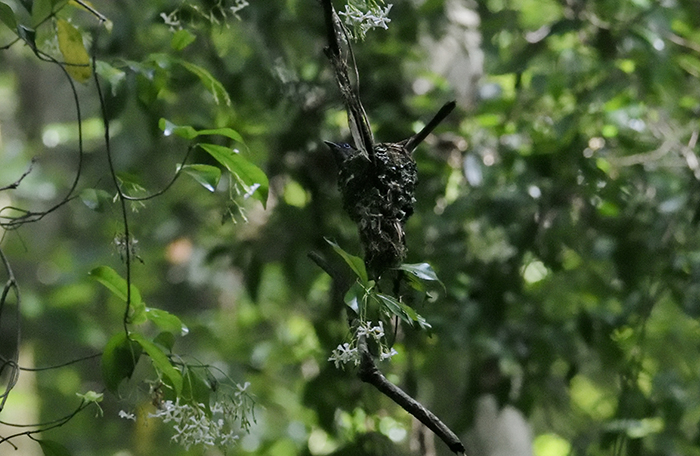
(341, 151)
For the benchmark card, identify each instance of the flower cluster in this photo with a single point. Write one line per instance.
(195, 425)
(212, 15)
(348, 353)
(365, 15)
(192, 425)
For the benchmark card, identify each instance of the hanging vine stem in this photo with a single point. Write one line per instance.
(13, 363)
(123, 198)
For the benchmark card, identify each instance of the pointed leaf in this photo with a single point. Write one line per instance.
(169, 128)
(166, 321)
(401, 310)
(228, 132)
(160, 362)
(70, 43)
(7, 16)
(354, 297)
(252, 178)
(119, 360)
(115, 283)
(52, 448)
(210, 82)
(91, 396)
(420, 273)
(181, 39)
(357, 264)
(208, 176)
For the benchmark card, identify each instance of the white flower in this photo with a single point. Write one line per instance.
(344, 354)
(362, 21)
(127, 416)
(240, 4)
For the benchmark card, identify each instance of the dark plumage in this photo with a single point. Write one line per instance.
(379, 193)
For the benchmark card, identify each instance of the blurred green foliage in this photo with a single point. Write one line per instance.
(560, 212)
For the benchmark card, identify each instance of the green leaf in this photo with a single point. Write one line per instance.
(7, 16)
(160, 362)
(189, 132)
(401, 310)
(418, 273)
(181, 39)
(355, 296)
(208, 176)
(70, 43)
(52, 448)
(184, 131)
(228, 132)
(195, 389)
(115, 283)
(210, 82)
(41, 9)
(252, 178)
(166, 339)
(166, 321)
(119, 360)
(96, 200)
(113, 75)
(356, 263)
(91, 396)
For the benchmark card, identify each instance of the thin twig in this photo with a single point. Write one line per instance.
(16, 183)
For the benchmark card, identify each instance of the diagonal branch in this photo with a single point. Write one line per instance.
(370, 373)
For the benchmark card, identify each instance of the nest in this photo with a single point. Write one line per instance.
(379, 198)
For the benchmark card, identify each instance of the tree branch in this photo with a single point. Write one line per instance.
(370, 373)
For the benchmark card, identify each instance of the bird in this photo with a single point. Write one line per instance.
(378, 193)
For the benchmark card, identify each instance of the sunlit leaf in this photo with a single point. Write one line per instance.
(119, 358)
(170, 128)
(181, 39)
(166, 321)
(115, 283)
(357, 264)
(228, 132)
(419, 274)
(252, 178)
(75, 56)
(52, 448)
(160, 362)
(91, 396)
(208, 176)
(189, 132)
